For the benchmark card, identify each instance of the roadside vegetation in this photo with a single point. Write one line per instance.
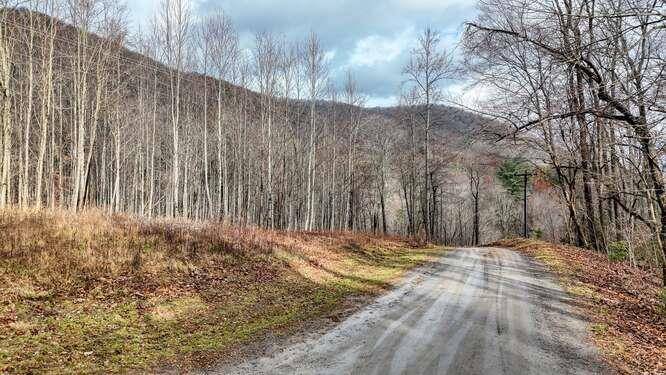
(626, 305)
(92, 292)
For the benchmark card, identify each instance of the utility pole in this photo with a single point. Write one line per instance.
(524, 176)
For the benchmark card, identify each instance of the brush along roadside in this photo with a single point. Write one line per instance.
(96, 293)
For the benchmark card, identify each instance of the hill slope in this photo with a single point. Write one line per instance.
(93, 293)
(109, 127)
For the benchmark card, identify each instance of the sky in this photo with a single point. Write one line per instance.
(371, 38)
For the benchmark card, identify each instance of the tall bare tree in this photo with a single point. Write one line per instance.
(316, 72)
(428, 66)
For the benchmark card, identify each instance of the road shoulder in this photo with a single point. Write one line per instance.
(621, 302)
(276, 341)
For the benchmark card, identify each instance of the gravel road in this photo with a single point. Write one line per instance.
(475, 311)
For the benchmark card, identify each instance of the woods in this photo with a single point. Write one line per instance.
(181, 121)
(105, 127)
(184, 120)
(581, 83)
(186, 188)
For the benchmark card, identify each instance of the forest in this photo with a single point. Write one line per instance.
(581, 83)
(180, 120)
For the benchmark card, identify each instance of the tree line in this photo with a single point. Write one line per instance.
(180, 121)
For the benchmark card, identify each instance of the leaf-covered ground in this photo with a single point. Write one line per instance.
(625, 304)
(92, 293)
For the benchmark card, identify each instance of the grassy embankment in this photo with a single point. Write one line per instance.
(625, 304)
(97, 293)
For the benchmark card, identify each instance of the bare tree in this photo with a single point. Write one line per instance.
(316, 72)
(427, 68)
(172, 27)
(353, 101)
(266, 56)
(6, 57)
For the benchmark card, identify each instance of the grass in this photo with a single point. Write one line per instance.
(623, 303)
(93, 293)
(599, 328)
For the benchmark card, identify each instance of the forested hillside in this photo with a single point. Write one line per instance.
(181, 122)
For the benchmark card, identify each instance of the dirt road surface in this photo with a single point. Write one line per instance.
(475, 311)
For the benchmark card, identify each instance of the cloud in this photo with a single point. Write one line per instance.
(466, 94)
(329, 56)
(371, 38)
(376, 49)
(376, 101)
(430, 5)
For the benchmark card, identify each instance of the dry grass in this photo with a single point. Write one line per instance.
(97, 293)
(622, 302)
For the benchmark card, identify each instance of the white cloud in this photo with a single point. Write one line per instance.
(374, 49)
(466, 94)
(141, 12)
(330, 55)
